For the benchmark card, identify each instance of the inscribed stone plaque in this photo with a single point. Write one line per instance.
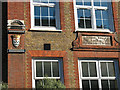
(96, 40)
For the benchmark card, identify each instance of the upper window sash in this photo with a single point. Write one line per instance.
(57, 16)
(94, 22)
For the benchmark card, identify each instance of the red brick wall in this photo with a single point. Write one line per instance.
(15, 10)
(63, 15)
(16, 72)
(115, 15)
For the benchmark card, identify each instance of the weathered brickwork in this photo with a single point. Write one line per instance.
(61, 45)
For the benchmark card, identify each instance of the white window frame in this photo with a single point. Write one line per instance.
(93, 18)
(45, 28)
(61, 77)
(99, 76)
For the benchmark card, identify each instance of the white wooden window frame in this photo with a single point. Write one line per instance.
(99, 76)
(34, 77)
(45, 28)
(93, 17)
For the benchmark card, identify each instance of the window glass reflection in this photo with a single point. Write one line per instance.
(104, 69)
(52, 11)
(36, 0)
(99, 23)
(94, 84)
(52, 1)
(80, 13)
(113, 84)
(87, 13)
(81, 23)
(85, 84)
(104, 3)
(87, 2)
(105, 85)
(55, 69)
(37, 11)
(44, 1)
(88, 23)
(45, 21)
(93, 72)
(37, 21)
(96, 2)
(98, 14)
(47, 69)
(52, 21)
(79, 2)
(111, 69)
(44, 11)
(85, 69)
(104, 14)
(39, 69)
(105, 24)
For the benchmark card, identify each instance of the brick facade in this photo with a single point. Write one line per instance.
(64, 44)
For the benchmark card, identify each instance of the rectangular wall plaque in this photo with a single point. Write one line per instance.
(96, 40)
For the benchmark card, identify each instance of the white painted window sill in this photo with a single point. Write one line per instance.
(94, 30)
(52, 29)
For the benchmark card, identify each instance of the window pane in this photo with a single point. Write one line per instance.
(37, 21)
(85, 85)
(79, 2)
(52, 11)
(36, 0)
(98, 14)
(96, 2)
(88, 23)
(44, 11)
(47, 69)
(104, 69)
(87, 13)
(113, 84)
(85, 69)
(52, 1)
(55, 69)
(99, 23)
(37, 11)
(94, 84)
(105, 24)
(93, 72)
(45, 21)
(105, 84)
(80, 13)
(81, 23)
(104, 14)
(39, 69)
(104, 3)
(111, 69)
(87, 2)
(44, 1)
(52, 21)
